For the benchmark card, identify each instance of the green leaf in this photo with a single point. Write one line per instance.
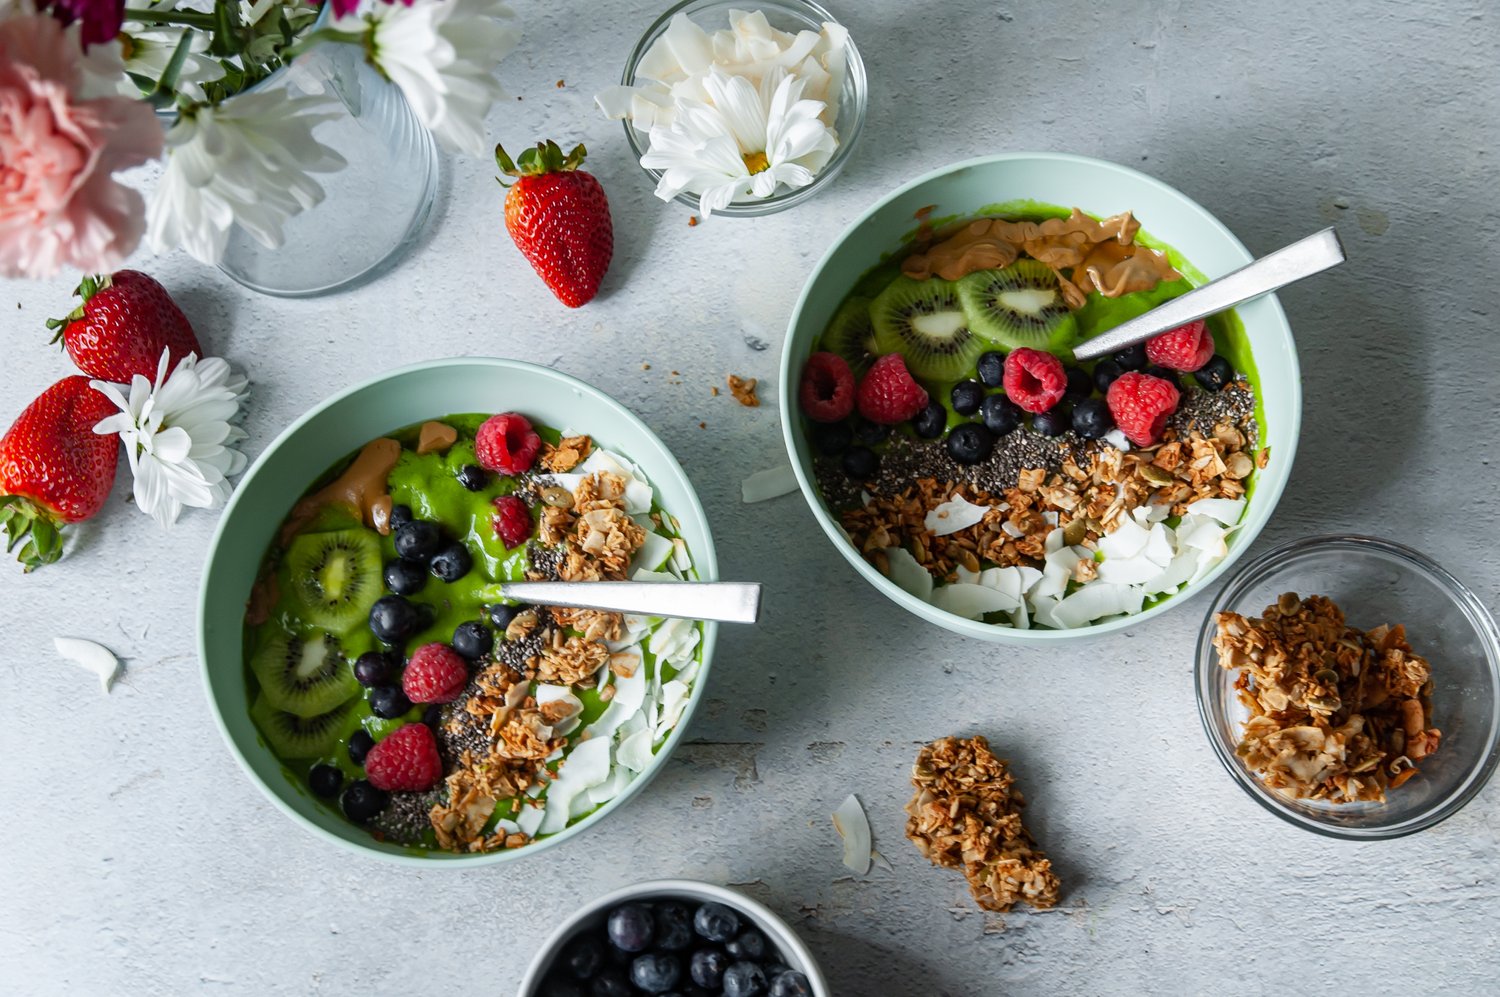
(226, 40)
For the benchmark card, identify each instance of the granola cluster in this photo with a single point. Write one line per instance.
(1095, 489)
(566, 455)
(1336, 713)
(966, 814)
(514, 734)
(743, 390)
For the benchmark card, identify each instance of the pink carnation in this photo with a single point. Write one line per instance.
(343, 8)
(99, 19)
(59, 202)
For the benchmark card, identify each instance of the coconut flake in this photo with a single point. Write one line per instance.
(953, 515)
(1137, 570)
(674, 641)
(529, 820)
(568, 722)
(853, 826)
(972, 601)
(1128, 540)
(773, 482)
(907, 573)
(674, 697)
(681, 559)
(630, 696)
(634, 752)
(1117, 439)
(587, 766)
(881, 861)
(1225, 511)
(608, 789)
(95, 657)
(1096, 600)
(654, 553)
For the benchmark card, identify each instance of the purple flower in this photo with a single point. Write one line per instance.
(101, 18)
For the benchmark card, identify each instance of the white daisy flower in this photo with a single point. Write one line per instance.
(743, 142)
(443, 55)
(178, 434)
(147, 52)
(246, 161)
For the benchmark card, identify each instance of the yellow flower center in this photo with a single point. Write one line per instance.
(756, 162)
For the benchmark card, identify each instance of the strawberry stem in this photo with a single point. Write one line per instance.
(32, 530)
(86, 289)
(544, 157)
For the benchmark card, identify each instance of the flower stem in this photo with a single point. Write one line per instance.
(191, 18)
(315, 38)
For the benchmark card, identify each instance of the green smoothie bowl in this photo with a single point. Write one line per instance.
(360, 657)
(969, 466)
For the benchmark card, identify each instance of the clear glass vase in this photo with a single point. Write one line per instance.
(374, 209)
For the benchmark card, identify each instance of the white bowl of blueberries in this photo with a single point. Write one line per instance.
(673, 938)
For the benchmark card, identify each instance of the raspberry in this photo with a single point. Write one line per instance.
(1140, 404)
(512, 521)
(827, 390)
(1034, 380)
(506, 444)
(435, 674)
(1186, 347)
(406, 761)
(888, 394)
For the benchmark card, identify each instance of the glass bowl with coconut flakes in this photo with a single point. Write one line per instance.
(1351, 686)
(966, 464)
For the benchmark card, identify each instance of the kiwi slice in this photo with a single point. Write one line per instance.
(1018, 306)
(335, 577)
(851, 335)
(924, 322)
(306, 676)
(291, 736)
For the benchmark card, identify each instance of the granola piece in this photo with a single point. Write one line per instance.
(566, 455)
(743, 390)
(568, 660)
(1336, 713)
(966, 814)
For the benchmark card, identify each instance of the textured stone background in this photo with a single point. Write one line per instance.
(139, 860)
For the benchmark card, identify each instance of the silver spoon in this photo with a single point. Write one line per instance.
(1288, 265)
(724, 602)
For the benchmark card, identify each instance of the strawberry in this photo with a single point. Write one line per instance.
(888, 394)
(558, 217)
(125, 322)
(405, 760)
(54, 469)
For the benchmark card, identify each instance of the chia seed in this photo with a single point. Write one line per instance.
(543, 562)
(1201, 411)
(515, 654)
(408, 817)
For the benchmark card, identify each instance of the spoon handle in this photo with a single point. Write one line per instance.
(725, 602)
(1316, 253)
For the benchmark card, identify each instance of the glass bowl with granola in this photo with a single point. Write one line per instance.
(968, 465)
(1351, 686)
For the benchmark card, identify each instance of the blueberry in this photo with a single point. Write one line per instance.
(393, 619)
(1105, 373)
(931, 421)
(363, 801)
(1170, 376)
(404, 576)
(870, 433)
(790, 984)
(451, 563)
(473, 640)
(860, 463)
(655, 972)
(325, 780)
(967, 396)
(432, 715)
(1053, 422)
(775, 969)
(749, 945)
(744, 979)
(716, 922)
(473, 477)
(1091, 418)
(418, 540)
(373, 668)
(388, 701)
(583, 956)
(630, 927)
(992, 368)
(1000, 414)
(707, 968)
(831, 438)
(970, 443)
(501, 615)
(360, 743)
(611, 983)
(400, 516)
(557, 987)
(1132, 357)
(674, 927)
(1216, 374)
(1080, 384)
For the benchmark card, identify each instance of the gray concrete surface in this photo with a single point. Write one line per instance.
(138, 860)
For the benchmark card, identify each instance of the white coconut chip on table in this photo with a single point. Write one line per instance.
(773, 482)
(94, 657)
(953, 515)
(853, 826)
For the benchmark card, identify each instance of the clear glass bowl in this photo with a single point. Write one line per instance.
(1374, 581)
(784, 15)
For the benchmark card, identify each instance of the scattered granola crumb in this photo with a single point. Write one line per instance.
(692, 222)
(560, 84)
(1336, 713)
(967, 814)
(702, 425)
(715, 390)
(645, 366)
(743, 390)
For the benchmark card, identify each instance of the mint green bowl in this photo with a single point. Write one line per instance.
(338, 427)
(1098, 188)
